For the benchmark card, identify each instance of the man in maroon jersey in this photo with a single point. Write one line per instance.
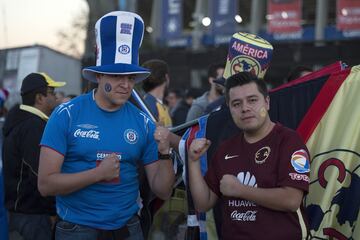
(260, 175)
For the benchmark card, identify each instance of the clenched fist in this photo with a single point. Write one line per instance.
(109, 167)
(228, 185)
(197, 148)
(161, 136)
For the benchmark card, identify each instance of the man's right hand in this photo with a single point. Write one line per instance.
(109, 168)
(198, 147)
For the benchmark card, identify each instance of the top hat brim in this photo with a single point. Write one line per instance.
(140, 73)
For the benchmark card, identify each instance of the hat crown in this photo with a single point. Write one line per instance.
(248, 53)
(119, 36)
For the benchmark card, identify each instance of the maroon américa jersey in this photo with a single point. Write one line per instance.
(280, 159)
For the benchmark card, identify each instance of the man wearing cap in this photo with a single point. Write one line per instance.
(92, 145)
(220, 101)
(29, 212)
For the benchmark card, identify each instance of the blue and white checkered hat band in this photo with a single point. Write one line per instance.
(118, 38)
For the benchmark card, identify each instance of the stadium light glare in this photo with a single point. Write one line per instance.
(206, 21)
(149, 29)
(238, 19)
(344, 12)
(284, 15)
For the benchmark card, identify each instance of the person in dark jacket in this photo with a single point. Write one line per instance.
(29, 212)
(179, 112)
(3, 213)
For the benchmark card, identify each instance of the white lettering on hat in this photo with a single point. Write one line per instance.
(124, 37)
(249, 51)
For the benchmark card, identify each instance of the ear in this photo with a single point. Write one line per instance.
(39, 98)
(98, 75)
(211, 80)
(267, 101)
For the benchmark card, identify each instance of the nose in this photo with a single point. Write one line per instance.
(126, 82)
(245, 107)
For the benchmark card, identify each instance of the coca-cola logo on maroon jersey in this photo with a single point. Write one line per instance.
(262, 154)
(248, 216)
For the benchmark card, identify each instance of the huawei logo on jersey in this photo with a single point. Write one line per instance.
(262, 154)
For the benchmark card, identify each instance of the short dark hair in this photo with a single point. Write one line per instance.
(192, 92)
(158, 69)
(296, 72)
(212, 70)
(242, 78)
(178, 93)
(29, 97)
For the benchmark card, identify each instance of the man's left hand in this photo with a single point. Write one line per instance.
(228, 185)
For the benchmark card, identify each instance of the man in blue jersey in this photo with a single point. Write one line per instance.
(92, 144)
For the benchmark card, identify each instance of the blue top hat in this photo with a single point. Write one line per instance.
(118, 38)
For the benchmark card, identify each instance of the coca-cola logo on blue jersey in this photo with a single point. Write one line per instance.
(87, 131)
(87, 134)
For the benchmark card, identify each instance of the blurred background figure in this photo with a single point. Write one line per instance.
(30, 214)
(155, 86)
(298, 72)
(173, 97)
(69, 97)
(4, 94)
(3, 214)
(216, 105)
(179, 112)
(60, 95)
(199, 105)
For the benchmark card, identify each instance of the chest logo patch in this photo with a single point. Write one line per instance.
(131, 136)
(247, 179)
(227, 156)
(262, 154)
(87, 131)
(300, 161)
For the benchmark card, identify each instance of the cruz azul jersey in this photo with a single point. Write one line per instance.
(280, 159)
(85, 135)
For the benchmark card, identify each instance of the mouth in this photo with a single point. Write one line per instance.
(122, 92)
(247, 118)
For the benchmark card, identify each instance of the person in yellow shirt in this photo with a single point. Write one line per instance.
(155, 86)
